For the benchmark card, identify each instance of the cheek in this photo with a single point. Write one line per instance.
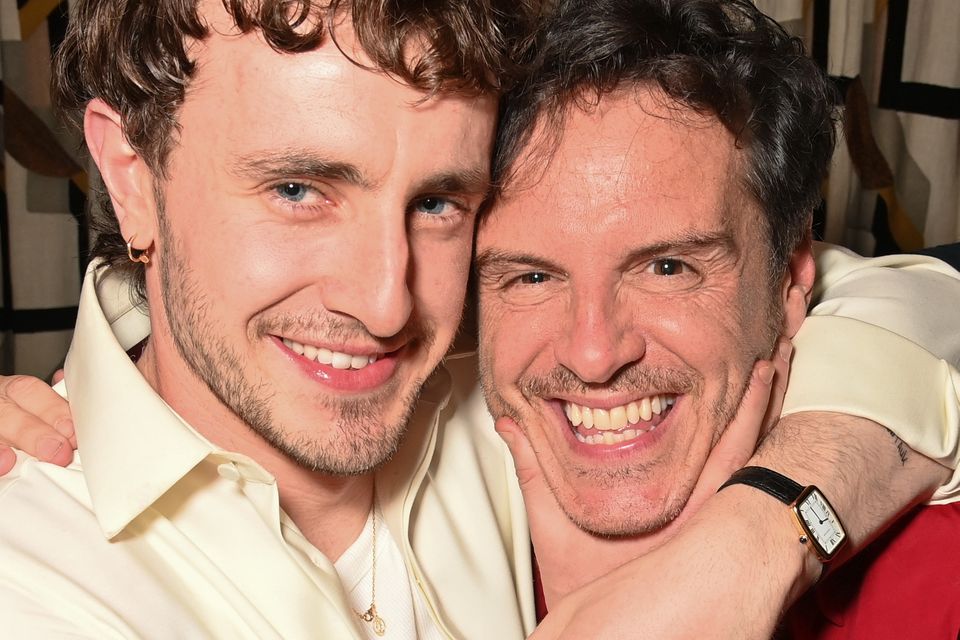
(438, 278)
(707, 333)
(515, 340)
(495, 355)
(265, 264)
(224, 242)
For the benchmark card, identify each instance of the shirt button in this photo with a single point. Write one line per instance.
(229, 471)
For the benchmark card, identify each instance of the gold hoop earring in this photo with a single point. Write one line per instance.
(136, 255)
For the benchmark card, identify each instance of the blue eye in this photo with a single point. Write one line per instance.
(432, 206)
(292, 191)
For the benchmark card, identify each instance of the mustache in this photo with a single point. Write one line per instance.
(561, 381)
(341, 329)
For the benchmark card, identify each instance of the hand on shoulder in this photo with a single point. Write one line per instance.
(34, 419)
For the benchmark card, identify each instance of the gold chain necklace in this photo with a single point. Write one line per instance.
(371, 615)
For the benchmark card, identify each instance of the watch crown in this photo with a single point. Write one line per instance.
(803, 539)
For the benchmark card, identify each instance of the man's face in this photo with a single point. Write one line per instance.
(313, 244)
(624, 297)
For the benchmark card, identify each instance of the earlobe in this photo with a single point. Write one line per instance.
(125, 175)
(798, 285)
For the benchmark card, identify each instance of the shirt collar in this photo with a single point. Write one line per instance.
(134, 447)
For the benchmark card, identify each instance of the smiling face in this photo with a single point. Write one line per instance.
(312, 247)
(624, 297)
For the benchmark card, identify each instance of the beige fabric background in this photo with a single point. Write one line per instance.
(42, 241)
(895, 183)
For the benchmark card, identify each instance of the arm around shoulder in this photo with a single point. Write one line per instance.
(881, 343)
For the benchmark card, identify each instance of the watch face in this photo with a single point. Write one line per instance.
(821, 522)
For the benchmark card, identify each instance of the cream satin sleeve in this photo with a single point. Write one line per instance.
(882, 341)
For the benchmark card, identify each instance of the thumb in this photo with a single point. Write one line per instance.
(739, 439)
(524, 459)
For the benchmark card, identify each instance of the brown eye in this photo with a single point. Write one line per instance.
(668, 267)
(535, 277)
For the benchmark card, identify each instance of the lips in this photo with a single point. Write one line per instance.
(336, 359)
(340, 370)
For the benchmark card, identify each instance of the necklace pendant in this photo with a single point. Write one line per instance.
(371, 616)
(379, 626)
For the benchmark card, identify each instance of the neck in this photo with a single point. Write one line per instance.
(330, 510)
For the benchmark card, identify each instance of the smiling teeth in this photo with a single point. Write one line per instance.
(609, 437)
(336, 359)
(617, 418)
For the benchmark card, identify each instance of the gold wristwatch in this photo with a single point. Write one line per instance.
(818, 524)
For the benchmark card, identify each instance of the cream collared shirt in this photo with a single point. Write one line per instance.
(882, 341)
(153, 532)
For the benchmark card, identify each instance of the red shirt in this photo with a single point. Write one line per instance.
(904, 585)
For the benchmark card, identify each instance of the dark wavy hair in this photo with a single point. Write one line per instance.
(134, 55)
(718, 57)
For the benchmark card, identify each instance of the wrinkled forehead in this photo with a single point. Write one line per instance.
(634, 149)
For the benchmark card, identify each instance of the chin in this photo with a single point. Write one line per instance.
(620, 512)
(350, 438)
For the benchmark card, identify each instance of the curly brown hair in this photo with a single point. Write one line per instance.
(134, 55)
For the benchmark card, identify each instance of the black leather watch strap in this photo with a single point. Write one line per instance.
(776, 484)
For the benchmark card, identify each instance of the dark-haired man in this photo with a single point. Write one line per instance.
(660, 169)
(307, 233)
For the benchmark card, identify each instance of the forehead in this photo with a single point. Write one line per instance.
(254, 97)
(635, 162)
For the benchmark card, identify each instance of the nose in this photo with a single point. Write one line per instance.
(600, 336)
(372, 281)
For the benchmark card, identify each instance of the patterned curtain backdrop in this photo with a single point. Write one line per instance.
(895, 183)
(42, 237)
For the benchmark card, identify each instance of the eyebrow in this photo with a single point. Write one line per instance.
(491, 258)
(471, 180)
(296, 163)
(687, 242)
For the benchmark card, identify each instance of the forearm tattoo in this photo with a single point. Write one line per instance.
(902, 449)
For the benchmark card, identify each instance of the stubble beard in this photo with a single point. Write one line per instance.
(612, 520)
(356, 441)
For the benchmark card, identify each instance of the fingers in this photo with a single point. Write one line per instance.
(758, 412)
(57, 376)
(7, 459)
(781, 366)
(524, 459)
(739, 440)
(37, 398)
(536, 492)
(35, 419)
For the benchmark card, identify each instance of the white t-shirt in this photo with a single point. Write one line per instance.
(401, 607)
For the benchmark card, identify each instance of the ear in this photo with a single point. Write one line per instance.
(797, 287)
(126, 176)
